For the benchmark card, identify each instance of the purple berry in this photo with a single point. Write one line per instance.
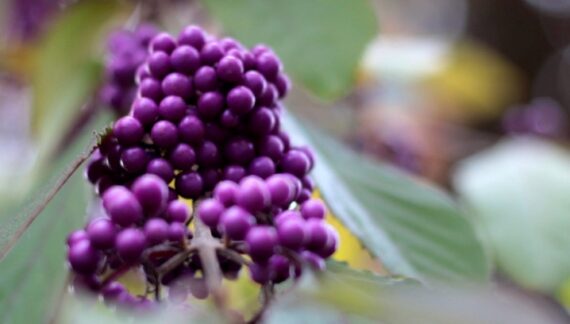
(235, 222)
(189, 185)
(83, 258)
(253, 194)
(280, 268)
(185, 59)
(316, 234)
(145, 111)
(268, 65)
(304, 196)
(151, 192)
(159, 64)
(208, 154)
(210, 105)
(122, 206)
(161, 168)
(255, 82)
(134, 159)
(151, 89)
(262, 167)
(291, 232)
(296, 163)
(128, 130)
(230, 69)
(76, 236)
(281, 190)
(172, 108)
(206, 79)
(261, 242)
(239, 151)
(162, 42)
(130, 244)
(272, 146)
(156, 231)
(211, 53)
(193, 36)
(313, 208)
(240, 100)
(225, 192)
(261, 122)
(210, 211)
(191, 130)
(102, 232)
(229, 119)
(177, 211)
(113, 290)
(211, 177)
(260, 273)
(332, 242)
(269, 96)
(176, 232)
(176, 84)
(234, 173)
(164, 134)
(283, 85)
(286, 215)
(182, 157)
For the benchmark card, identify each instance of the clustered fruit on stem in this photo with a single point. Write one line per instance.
(205, 127)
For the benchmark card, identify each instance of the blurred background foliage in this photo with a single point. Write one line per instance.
(460, 106)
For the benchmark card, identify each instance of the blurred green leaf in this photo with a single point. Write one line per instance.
(319, 41)
(413, 228)
(519, 192)
(67, 69)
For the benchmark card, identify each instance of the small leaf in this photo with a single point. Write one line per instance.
(66, 71)
(519, 192)
(413, 228)
(320, 41)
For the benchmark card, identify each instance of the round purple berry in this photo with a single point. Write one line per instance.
(161, 168)
(272, 146)
(283, 85)
(208, 154)
(151, 192)
(162, 42)
(134, 159)
(260, 273)
(296, 163)
(151, 89)
(189, 185)
(261, 242)
(211, 53)
(102, 232)
(261, 122)
(164, 134)
(156, 231)
(285, 215)
(210, 211)
(281, 190)
(291, 232)
(234, 173)
(235, 222)
(176, 232)
(130, 244)
(262, 167)
(176, 84)
(253, 194)
(128, 131)
(230, 69)
(76, 236)
(313, 208)
(182, 156)
(225, 192)
(191, 130)
(268, 65)
(177, 211)
(206, 79)
(172, 108)
(159, 64)
(145, 111)
(239, 151)
(240, 100)
(185, 59)
(317, 234)
(210, 104)
(255, 82)
(83, 258)
(280, 268)
(122, 206)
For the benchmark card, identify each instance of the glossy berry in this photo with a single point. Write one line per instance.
(206, 79)
(193, 36)
(260, 273)
(163, 42)
(177, 211)
(191, 130)
(253, 194)
(172, 108)
(210, 104)
(291, 233)
(262, 167)
(225, 192)
(145, 111)
(130, 244)
(151, 192)
(211, 53)
(156, 231)
(261, 242)
(281, 190)
(164, 134)
(313, 208)
(239, 151)
(272, 146)
(210, 211)
(128, 130)
(185, 59)
(182, 156)
(83, 258)
(230, 69)
(134, 159)
(280, 268)
(261, 122)
(101, 232)
(122, 206)
(189, 185)
(317, 234)
(296, 163)
(234, 173)
(161, 168)
(177, 84)
(76, 236)
(255, 82)
(240, 100)
(235, 222)
(176, 232)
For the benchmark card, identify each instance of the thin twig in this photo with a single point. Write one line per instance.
(234, 256)
(43, 204)
(267, 293)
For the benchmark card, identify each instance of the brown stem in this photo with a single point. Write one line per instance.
(119, 272)
(234, 256)
(267, 293)
(46, 200)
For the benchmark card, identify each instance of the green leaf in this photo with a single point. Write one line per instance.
(319, 41)
(413, 228)
(519, 192)
(66, 70)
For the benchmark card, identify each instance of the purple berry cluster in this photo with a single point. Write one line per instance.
(542, 117)
(205, 126)
(259, 212)
(126, 51)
